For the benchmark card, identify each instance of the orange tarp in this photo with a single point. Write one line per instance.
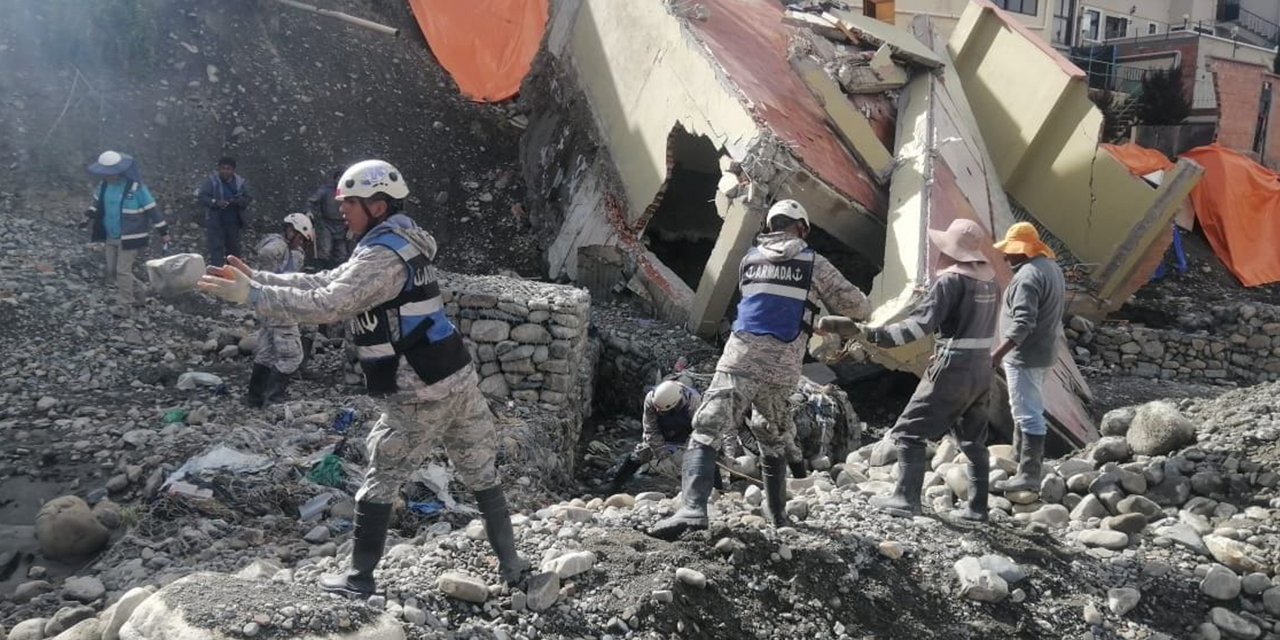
(1140, 160)
(1238, 206)
(486, 45)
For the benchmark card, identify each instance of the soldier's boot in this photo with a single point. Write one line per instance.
(276, 387)
(1017, 444)
(372, 521)
(717, 479)
(497, 526)
(257, 385)
(979, 477)
(1030, 464)
(625, 473)
(698, 471)
(905, 500)
(799, 469)
(774, 474)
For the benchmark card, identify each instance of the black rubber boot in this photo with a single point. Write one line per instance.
(698, 472)
(799, 469)
(625, 473)
(1030, 464)
(372, 521)
(1017, 444)
(257, 385)
(774, 474)
(979, 478)
(497, 525)
(905, 501)
(277, 384)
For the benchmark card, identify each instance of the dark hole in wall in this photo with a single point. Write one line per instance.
(683, 230)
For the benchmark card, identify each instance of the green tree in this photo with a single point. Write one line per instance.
(1163, 100)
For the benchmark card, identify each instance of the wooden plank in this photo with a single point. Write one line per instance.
(852, 127)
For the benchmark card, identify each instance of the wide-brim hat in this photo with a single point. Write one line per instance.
(1024, 239)
(111, 163)
(961, 241)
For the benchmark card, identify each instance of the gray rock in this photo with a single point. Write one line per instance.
(83, 589)
(463, 587)
(32, 629)
(1052, 489)
(1116, 422)
(1089, 507)
(798, 508)
(977, 583)
(1234, 625)
(1159, 428)
(90, 629)
(1053, 515)
(1114, 540)
(1255, 583)
(122, 609)
(1130, 523)
(1271, 601)
(66, 618)
(544, 589)
(1092, 616)
(1220, 583)
(1236, 555)
(530, 334)
(67, 528)
(691, 577)
(31, 589)
(1111, 449)
(570, 564)
(1122, 600)
(415, 615)
(317, 535)
(1141, 504)
(1185, 536)
(490, 331)
(1173, 491)
(1004, 567)
(1208, 483)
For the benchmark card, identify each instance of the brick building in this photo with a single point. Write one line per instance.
(1249, 116)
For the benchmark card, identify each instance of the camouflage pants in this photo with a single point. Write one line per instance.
(279, 346)
(724, 404)
(406, 433)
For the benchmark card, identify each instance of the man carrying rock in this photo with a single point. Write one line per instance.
(225, 194)
(411, 354)
(279, 350)
(782, 280)
(332, 245)
(667, 420)
(960, 311)
(1031, 327)
(121, 218)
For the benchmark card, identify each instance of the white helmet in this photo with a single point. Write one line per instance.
(301, 223)
(371, 177)
(667, 396)
(788, 208)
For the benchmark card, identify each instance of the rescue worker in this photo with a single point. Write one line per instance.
(1030, 330)
(122, 216)
(279, 353)
(781, 280)
(332, 245)
(226, 197)
(667, 420)
(959, 310)
(419, 366)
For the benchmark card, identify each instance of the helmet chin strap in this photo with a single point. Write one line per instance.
(373, 222)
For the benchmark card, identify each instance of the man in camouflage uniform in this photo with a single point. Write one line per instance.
(667, 420)
(412, 357)
(279, 350)
(782, 281)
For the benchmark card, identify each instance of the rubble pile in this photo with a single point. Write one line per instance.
(1236, 342)
(636, 352)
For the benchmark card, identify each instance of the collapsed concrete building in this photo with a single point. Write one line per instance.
(665, 129)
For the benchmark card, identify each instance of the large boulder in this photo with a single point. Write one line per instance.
(1159, 428)
(1116, 422)
(67, 528)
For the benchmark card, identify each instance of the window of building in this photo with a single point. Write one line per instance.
(1091, 21)
(1264, 117)
(1019, 6)
(1151, 29)
(1117, 27)
(1062, 13)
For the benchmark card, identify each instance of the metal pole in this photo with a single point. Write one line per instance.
(359, 22)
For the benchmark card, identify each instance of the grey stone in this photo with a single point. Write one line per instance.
(30, 589)
(1122, 600)
(1184, 535)
(463, 587)
(66, 618)
(691, 577)
(1116, 422)
(1173, 491)
(490, 331)
(1207, 483)
(496, 386)
(67, 528)
(1141, 504)
(122, 609)
(1111, 449)
(977, 583)
(1159, 428)
(1271, 601)
(1089, 507)
(90, 629)
(1114, 540)
(1004, 567)
(1053, 515)
(1236, 555)
(544, 589)
(83, 589)
(32, 629)
(1234, 625)
(1130, 523)
(1220, 583)
(1255, 583)
(317, 535)
(531, 334)
(1052, 489)
(570, 564)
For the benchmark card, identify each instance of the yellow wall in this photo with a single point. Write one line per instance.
(643, 74)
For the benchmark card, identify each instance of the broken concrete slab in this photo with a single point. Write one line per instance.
(814, 23)
(849, 124)
(877, 33)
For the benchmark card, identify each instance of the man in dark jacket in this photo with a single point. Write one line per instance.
(225, 194)
(1031, 328)
(332, 244)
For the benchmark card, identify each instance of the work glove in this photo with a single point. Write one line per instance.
(242, 267)
(228, 283)
(839, 325)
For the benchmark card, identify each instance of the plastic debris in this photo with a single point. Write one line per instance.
(174, 415)
(328, 472)
(175, 274)
(425, 507)
(192, 379)
(312, 509)
(343, 420)
(220, 458)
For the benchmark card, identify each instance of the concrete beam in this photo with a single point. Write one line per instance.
(853, 128)
(720, 277)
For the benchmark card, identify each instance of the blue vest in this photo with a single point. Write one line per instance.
(775, 295)
(413, 325)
